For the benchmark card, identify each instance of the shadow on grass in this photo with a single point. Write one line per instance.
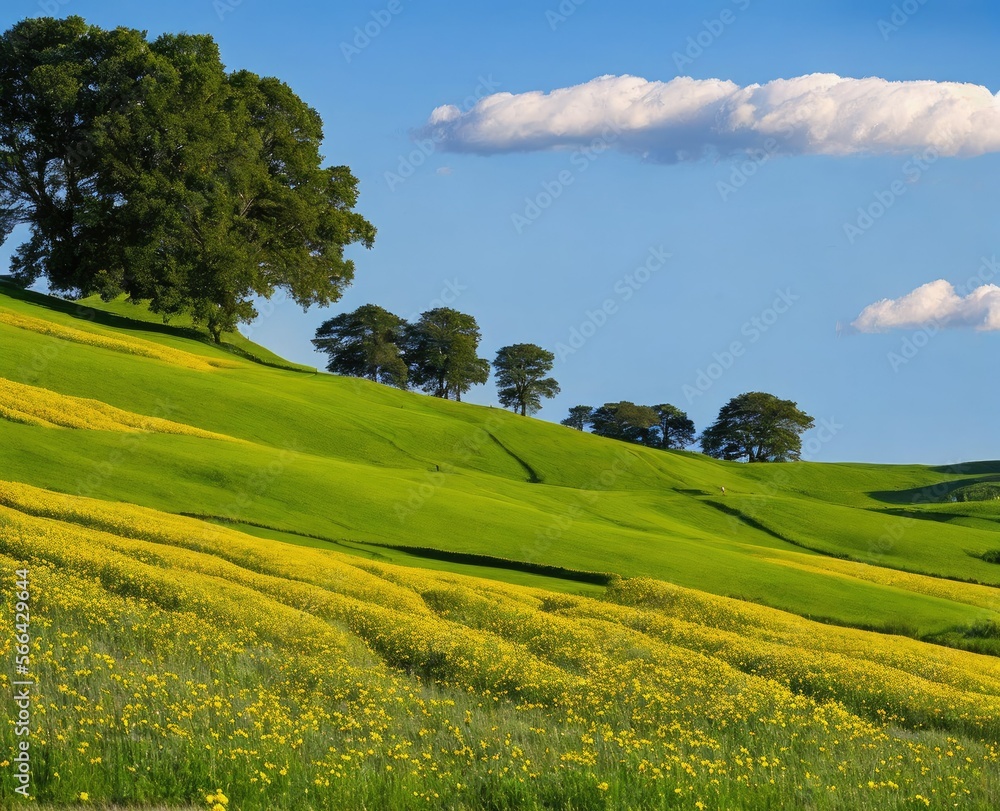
(471, 559)
(746, 519)
(430, 553)
(102, 317)
(940, 493)
(922, 515)
(84, 312)
(980, 468)
(533, 477)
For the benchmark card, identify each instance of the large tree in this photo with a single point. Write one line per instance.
(57, 81)
(440, 349)
(144, 168)
(520, 371)
(674, 428)
(626, 421)
(757, 427)
(579, 417)
(365, 343)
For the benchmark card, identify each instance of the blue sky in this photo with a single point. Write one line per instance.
(761, 268)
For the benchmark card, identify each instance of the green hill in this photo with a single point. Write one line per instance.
(369, 467)
(104, 402)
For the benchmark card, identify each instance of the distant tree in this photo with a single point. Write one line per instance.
(625, 421)
(365, 343)
(674, 429)
(757, 427)
(520, 371)
(579, 417)
(440, 350)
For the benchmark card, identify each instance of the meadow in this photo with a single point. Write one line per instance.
(257, 587)
(174, 659)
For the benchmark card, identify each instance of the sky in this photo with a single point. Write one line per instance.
(683, 202)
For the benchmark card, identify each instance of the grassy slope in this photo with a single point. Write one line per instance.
(137, 319)
(140, 318)
(173, 656)
(352, 461)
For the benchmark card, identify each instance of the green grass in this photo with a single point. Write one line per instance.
(352, 460)
(136, 318)
(398, 555)
(422, 576)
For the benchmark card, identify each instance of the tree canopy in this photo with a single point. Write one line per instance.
(674, 428)
(145, 168)
(757, 427)
(579, 417)
(365, 343)
(660, 426)
(626, 421)
(440, 350)
(520, 371)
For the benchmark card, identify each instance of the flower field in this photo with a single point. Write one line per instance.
(127, 345)
(181, 663)
(37, 406)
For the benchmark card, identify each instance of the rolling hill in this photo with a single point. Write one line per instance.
(319, 592)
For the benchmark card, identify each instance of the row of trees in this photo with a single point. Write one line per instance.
(438, 354)
(755, 426)
(145, 168)
(660, 426)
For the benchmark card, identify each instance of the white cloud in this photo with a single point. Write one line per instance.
(685, 118)
(935, 303)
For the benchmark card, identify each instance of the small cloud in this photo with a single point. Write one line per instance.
(444, 114)
(687, 119)
(444, 170)
(935, 303)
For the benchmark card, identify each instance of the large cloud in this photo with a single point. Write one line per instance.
(935, 303)
(685, 118)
